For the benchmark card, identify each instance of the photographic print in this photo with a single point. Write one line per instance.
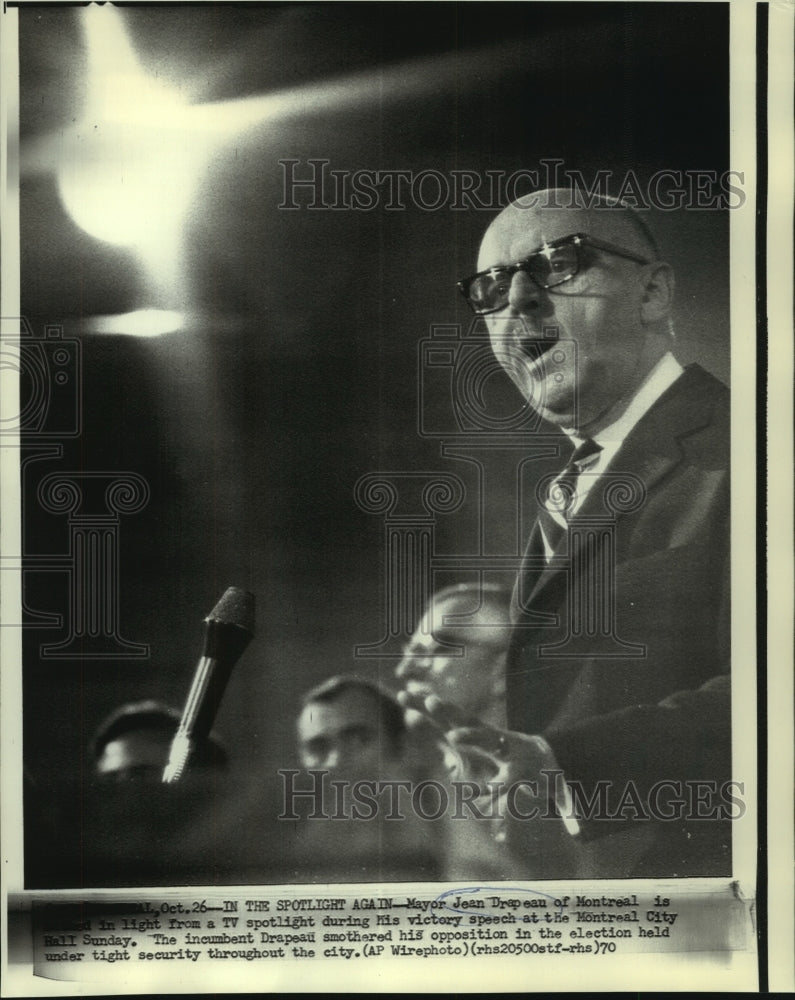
(382, 592)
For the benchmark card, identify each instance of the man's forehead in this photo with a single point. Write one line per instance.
(329, 716)
(528, 224)
(472, 630)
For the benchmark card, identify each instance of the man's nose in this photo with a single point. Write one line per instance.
(523, 293)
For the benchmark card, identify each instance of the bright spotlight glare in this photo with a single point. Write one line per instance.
(131, 166)
(141, 323)
(129, 187)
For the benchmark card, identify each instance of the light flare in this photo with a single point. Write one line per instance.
(141, 323)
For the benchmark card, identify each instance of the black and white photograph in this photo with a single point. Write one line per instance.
(386, 471)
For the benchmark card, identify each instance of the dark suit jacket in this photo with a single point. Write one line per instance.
(638, 693)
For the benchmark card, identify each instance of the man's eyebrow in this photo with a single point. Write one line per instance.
(546, 245)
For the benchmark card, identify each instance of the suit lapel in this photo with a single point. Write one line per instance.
(653, 447)
(535, 570)
(538, 687)
(650, 452)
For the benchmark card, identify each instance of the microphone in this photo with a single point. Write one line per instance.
(229, 629)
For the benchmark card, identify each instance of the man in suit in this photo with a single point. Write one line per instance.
(617, 676)
(352, 732)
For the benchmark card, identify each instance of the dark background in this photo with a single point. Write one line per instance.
(299, 373)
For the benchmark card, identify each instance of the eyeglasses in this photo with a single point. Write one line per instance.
(445, 643)
(551, 265)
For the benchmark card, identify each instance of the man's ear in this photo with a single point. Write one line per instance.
(658, 293)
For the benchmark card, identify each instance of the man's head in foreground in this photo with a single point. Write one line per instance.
(133, 743)
(461, 662)
(350, 726)
(577, 302)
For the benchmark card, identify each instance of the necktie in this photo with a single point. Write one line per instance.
(562, 493)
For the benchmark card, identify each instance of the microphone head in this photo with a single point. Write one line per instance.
(236, 607)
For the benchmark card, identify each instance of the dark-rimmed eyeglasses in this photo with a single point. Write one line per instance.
(552, 264)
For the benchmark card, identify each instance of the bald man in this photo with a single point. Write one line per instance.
(459, 649)
(617, 673)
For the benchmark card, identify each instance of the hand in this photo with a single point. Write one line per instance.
(485, 754)
(514, 795)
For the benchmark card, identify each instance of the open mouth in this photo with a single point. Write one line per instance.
(534, 344)
(536, 354)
